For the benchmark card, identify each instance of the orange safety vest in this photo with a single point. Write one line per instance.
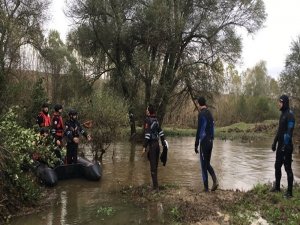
(46, 120)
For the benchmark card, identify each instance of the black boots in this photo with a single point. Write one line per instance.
(288, 194)
(215, 182)
(276, 187)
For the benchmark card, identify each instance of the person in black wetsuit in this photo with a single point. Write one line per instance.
(73, 129)
(205, 136)
(283, 145)
(153, 132)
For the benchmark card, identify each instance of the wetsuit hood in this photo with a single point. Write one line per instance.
(285, 102)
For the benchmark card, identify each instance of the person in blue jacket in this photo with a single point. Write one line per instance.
(205, 137)
(283, 145)
(73, 129)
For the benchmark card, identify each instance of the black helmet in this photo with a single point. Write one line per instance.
(45, 105)
(57, 107)
(44, 130)
(72, 112)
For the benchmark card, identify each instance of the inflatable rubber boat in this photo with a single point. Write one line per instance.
(82, 169)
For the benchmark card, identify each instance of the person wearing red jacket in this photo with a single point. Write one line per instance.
(43, 119)
(57, 129)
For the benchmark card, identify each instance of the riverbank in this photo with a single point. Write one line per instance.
(238, 131)
(182, 205)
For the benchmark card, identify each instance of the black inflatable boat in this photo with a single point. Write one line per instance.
(83, 169)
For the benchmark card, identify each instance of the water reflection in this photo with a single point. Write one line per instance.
(237, 165)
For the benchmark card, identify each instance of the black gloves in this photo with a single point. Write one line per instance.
(196, 150)
(164, 154)
(274, 147)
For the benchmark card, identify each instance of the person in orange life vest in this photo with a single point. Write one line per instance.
(72, 131)
(57, 130)
(43, 119)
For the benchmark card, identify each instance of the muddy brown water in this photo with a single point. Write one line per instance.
(237, 165)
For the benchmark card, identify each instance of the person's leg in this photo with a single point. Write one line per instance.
(289, 172)
(75, 149)
(210, 169)
(203, 162)
(278, 165)
(69, 153)
(153, 158)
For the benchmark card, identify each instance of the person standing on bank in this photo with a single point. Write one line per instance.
(205, 136)
(153, 132)
(57, 130)
(43, 119)
(284, 149)
(73, 130)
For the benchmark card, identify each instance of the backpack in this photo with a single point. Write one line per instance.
(154, 129)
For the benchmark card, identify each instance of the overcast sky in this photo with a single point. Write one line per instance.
(272, 43)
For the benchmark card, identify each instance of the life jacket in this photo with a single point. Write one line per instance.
(58, 124)
(46, 120)
(154, 129)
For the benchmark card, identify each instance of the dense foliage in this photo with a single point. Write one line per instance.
(17, 146)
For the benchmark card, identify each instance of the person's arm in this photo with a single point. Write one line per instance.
(147, 134)
(39, 120)
(162, 137)
(287, 137)
(68, 131)
(200, 135)
(275, 140)
(54, 124)
(83, 132)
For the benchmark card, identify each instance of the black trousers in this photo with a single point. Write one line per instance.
(205, 156)
(284, 158)
(153, 156)
(72, 152)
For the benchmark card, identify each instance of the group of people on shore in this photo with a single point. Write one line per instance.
(69, 131)
(283, 144)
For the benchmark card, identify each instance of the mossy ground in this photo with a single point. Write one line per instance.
(182, 205)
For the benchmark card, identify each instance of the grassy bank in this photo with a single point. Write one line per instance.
(181, 205)
(238, 131)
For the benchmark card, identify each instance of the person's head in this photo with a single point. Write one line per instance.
(283, 103)
(73, 114)
(201, 101)
(150, 110)
(58, 108)
(44, 131)
(45, 107)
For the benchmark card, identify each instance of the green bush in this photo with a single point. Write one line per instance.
(17, 145)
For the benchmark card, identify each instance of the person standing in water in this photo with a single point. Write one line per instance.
(153, 132)
(205, 136)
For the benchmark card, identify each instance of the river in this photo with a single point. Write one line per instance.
(237, 165)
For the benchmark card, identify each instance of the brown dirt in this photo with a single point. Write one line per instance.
(194, 207)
